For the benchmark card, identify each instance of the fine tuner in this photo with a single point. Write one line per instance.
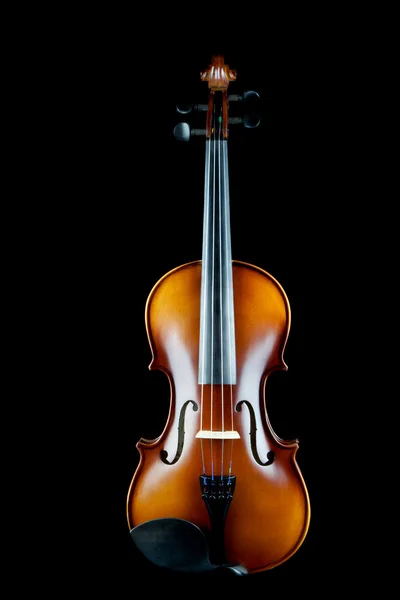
(250, 119)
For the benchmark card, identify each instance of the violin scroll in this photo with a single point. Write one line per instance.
(218, 75)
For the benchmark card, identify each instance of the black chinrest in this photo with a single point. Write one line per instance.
(177, 545)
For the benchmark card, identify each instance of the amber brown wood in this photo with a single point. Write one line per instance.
(269, 515)
(218, 75)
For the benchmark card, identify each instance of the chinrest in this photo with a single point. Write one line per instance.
(177, 545)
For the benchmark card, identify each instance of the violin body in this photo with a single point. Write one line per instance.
(269, 514)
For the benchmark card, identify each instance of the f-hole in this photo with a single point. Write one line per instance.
(253, 435)
(181, 435)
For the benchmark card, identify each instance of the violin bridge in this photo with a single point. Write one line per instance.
(217, 435)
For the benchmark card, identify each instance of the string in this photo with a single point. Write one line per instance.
(221, 297)
(204, 290)
(212, 303)
(228, 285)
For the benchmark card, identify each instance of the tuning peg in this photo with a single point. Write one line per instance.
(183, 133)
(251, 120)
(250, 107)
(184, 108)
(248, 121)
(246, 96)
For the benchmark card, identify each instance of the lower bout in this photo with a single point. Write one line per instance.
(257, 535)
(261, 535)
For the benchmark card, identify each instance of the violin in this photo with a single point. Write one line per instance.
(218, 488)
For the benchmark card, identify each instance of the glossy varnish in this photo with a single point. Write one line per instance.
(268, 517)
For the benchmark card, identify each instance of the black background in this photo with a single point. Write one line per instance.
(145, 219)
(127, 208)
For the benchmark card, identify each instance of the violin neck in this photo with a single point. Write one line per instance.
(217, 356)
